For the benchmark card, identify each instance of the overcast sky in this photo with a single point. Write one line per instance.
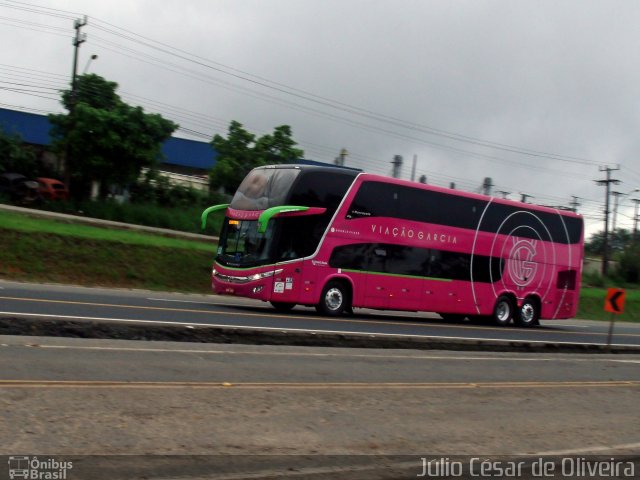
(538, 95)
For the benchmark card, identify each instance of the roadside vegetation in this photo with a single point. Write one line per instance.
(591, 304)
(38, 250)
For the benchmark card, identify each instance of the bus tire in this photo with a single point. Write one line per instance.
(335, 299)
(503, 312)
(528, 314)
(282, 306)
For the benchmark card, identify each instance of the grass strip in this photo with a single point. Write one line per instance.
(24, 223)
(46, 257)
(591, 305)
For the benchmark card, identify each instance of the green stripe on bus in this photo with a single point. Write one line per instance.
(399, 275)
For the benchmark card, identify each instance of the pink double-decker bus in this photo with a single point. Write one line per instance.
(336, 239)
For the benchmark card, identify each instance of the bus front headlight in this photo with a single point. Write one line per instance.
(260, 276)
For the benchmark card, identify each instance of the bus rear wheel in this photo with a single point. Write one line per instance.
(503, 311)
(528, 314)
(335, 299)
(282, 306)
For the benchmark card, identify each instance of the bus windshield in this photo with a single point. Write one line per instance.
(263, 188)
(242, 245)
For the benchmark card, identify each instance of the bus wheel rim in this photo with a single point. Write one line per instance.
(502, 311)
(333, 298)
(527, 313)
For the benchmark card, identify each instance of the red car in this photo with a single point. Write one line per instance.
(52, 189)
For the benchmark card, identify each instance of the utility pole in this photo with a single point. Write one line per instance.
(504, 194)
(524, 196)
(635, 219)
(413, 168)
(607, 183)
(616, 200)
(487, 185)
(341, 157)
(78, 40)
(397, 165)
(574, 204)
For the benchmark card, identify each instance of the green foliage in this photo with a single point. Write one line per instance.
(591, 305)
(103, 138)
(154, 203)
(94, 261)
(617, 241)
(181, 218)
(629, 264)
(28, 224)
(157, 189)
(593, 279)
(240, 152)
(16, 157)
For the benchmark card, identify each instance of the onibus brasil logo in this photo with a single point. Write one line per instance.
(38, 469)
(522, 267)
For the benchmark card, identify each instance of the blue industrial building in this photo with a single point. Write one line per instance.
(178, 154)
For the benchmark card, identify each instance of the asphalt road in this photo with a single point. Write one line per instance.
(259, 411)
(79, 303)
(272, 410)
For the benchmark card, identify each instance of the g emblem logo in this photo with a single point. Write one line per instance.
(521, 265)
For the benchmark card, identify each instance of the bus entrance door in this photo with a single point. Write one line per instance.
(287, 282)
(377, 285)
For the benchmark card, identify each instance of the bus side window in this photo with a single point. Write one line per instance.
(374, 199)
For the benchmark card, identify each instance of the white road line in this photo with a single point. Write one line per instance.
(599, 448)
(574, 325)
(316, 332)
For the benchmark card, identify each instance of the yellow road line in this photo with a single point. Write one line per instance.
(311, 385)
(503, 359)
(425, 324)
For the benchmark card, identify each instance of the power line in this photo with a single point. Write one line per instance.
(29, 7)
(308, 96)
(344, 120)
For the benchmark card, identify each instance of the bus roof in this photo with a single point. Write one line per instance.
(320, 168)
(364, 176)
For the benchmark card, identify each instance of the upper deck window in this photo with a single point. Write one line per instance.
(380, 199)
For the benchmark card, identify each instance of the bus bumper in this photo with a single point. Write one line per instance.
(257, 286)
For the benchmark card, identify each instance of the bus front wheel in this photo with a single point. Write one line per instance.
(503, 312)
(335, 299)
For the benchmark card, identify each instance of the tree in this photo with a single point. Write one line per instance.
(277, 148)
(629, 268)
(104, 139)
(15, 157)
(618, 241)
(240, 152)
